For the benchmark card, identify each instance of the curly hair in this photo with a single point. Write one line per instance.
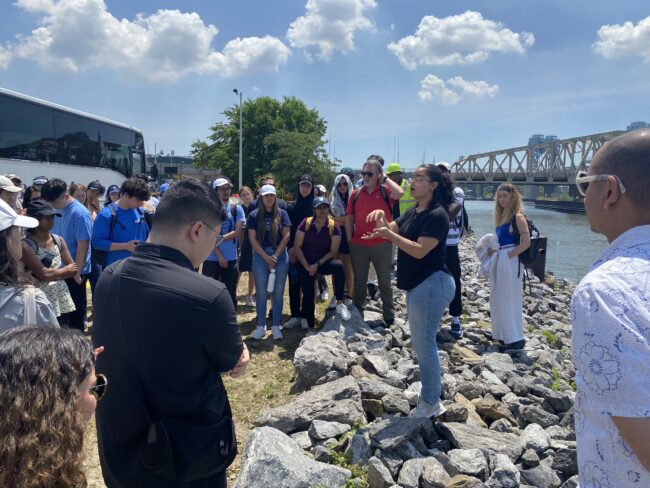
(11, 271)
(41, 427)
(502, 215)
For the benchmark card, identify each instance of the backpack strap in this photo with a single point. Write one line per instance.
(330, 224)
(31, 243)
(382, 191)
(308, 223)
(57, 241)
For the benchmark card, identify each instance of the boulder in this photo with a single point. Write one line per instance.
(504, 474)
(566, 462)
(490, 409)
(321, 429)
(535, 438)
(378, 474)
(412, 472)
(464, 481)
(533, 414)
(541, 477)
(272, 458)
(390, 432)
(317, 356)
(467, 461)
(464, 436)
(337, 401)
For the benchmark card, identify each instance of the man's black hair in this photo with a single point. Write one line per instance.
(186, 202)
(378, 158)
(53, 189)
(136, 187)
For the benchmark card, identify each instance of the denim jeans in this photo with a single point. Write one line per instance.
(261, 275)
(426, 304)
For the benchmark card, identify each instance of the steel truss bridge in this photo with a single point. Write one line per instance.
(551, 163)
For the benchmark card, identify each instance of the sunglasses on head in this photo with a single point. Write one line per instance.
(583, 180)
(369, 174)
(98, 390)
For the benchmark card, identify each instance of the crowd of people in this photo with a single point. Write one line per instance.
(164, 333)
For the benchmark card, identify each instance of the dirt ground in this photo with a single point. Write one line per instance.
(265, 384)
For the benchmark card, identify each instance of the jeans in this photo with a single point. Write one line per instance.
(261, 275)
(426, 304)
(228, 276)
(333, 267)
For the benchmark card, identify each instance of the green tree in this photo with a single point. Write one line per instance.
(284, 138)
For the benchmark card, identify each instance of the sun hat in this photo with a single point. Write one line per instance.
(320, 201)
(8, 185)
(9, 217)
(267, 190)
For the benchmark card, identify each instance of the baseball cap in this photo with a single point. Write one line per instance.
(220, 182)
(13, 176)
(96, 185)
(306, 179)
(443, 166)
(393, 168)
(40, 180)
(40, 208)
(113, 189)
(347, 171)
(267, 190)
(8, 185)
(321, 188)
(9, 217)
(320, 201)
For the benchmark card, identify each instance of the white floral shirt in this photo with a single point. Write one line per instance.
(611, 351)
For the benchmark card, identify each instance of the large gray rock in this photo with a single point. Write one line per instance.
(467, 461)
(272, 458)
(464, 436)
(376, 389)
(347, 329)
(434, 475)
(560, 401)
(318, 355)
(337, 401)
(541, 477)
(536, 438)
(571, 483)
(396, 403)
(533, 414)
(321, 429)
(504, 474)
(413, 471)
(379, 362)
(500, 364)
(359, 449)
(566, 462)
(390, 432)
(378, 474)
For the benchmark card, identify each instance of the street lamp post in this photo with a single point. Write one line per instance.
(241, 136)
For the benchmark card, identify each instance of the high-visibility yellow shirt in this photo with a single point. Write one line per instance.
(407, 200)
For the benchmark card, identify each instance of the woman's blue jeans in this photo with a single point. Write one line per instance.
(261, 273)
(426, 304)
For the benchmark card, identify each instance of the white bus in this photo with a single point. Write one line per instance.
(39, 138)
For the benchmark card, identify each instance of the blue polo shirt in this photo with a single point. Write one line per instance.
(129, 226)
(74, 225)
(229, 248)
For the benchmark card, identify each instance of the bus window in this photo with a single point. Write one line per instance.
(24, 127)
(77, 138)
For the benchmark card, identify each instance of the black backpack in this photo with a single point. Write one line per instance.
(529, 255)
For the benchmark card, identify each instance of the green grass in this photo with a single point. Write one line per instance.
(556, 386)
(550, 337)
(358, 471)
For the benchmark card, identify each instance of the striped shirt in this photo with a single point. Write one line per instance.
(456, 226)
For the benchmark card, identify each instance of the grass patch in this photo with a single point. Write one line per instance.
(358, 471)
(550, 337)
(556, 386)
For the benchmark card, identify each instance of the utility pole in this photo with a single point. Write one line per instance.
(241, 137)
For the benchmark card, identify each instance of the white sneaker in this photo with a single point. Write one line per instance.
(426, 410)
(277, 334)
(249, 301)
(259, 332)
(324, 296)
(303, 324)
(343, 311)
(292, 323)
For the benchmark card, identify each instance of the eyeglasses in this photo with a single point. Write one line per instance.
(342, 182)
(98, 390)
(369, 174)
(583, 180)
(210, 227)
(419, 179)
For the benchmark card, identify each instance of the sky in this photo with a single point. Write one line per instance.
(411, 80)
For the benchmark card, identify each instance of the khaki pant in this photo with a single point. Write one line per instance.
(380, 255)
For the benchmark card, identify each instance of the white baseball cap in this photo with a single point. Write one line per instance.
(8, 185)
(220, 182)
(9, 217)
(267, 190)
(443, 164)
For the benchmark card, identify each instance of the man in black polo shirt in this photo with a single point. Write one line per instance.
(168, 333)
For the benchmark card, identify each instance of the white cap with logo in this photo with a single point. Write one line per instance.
(9, 217)
(220, 182)
(8, 185)
(267, 190)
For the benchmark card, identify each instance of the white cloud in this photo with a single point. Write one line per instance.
(620, 40)
(455, 89)
(82, 34)
(330, 25)
(457, 39)
(5, 57)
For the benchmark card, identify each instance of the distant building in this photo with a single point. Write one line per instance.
(540, 139)
(177, 167)
(637, 125)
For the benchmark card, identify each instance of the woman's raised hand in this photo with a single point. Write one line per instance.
(379, 217)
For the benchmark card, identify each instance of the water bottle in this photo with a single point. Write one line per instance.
(271, 283)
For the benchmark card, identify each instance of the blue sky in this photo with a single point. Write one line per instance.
(453, 77)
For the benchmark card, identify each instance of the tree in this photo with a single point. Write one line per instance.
(284, 138)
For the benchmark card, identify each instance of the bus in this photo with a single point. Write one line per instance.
(39, 138)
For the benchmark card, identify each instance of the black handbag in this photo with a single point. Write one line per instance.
(178, 449)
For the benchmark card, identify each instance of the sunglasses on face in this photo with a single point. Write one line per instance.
(369, 174)
(343, 183)
(98, 390)
(583, 180)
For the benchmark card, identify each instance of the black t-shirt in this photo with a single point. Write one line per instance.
(428, 223)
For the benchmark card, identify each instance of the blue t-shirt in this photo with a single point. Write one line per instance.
(229, 248)
(74, 225)
(129, 226)
(251, 224)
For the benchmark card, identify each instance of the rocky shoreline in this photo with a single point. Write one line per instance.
(509, 419)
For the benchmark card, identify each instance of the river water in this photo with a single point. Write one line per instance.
(572, 246)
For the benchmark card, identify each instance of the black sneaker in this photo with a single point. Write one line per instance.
(488, 335)
(456, 331)
(389, 322)
(515, 346)
(372, 290)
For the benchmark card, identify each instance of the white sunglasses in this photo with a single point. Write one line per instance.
(583, 180)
